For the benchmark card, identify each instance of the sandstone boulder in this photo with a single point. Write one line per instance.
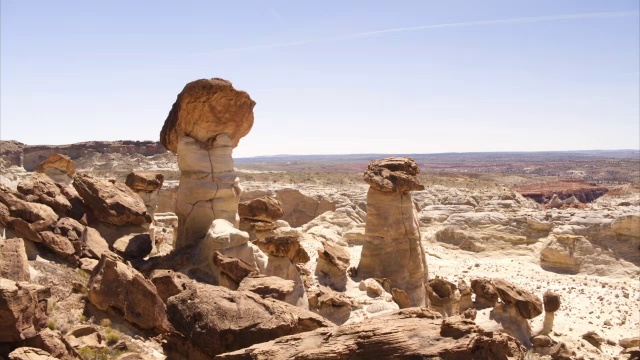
(333, 262)
(41, 189)
(38, 217)
(206, 108)
(218, 320)
(23, 307)
(486, 296)
(144, 180)
(30, 353)
(114, 284)
(133, 246)
(14, 264)
(409, 333)
(54, 343)
(299, 209)
(271, 287)
(393, 175)
(266, 209)
(112, 203)
(60, 168)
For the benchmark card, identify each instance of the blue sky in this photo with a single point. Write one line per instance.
(330, 76)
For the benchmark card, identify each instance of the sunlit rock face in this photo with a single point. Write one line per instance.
(204, 125)
(392, 247)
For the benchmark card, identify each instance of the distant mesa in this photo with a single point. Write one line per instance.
(563, 190)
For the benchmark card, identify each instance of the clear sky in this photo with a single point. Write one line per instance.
(331, 77)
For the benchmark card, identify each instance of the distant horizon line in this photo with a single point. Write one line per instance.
(355, 153)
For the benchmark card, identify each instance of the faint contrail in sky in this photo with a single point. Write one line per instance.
(533, 19)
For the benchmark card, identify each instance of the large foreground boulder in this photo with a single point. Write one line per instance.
(412, 333)
(23, 309)
(14, 264)
(41, 189)
(217, 320)
(116, 285)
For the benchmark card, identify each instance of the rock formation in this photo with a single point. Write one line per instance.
(393, 247)
(147, 185)
(24, 309)
(205, 123)
(60, 168)
(410, 333)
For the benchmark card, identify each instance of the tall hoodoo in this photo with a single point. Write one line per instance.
(392, 247)
(205, 123)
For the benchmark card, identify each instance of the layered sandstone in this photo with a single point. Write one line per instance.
(392, 247)
(204, 125)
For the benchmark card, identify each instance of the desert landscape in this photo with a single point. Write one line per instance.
(178, 250)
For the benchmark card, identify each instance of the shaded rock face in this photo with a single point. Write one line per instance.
(562, 190)
(206, 108)
(147, 185)
(299, 209)
(14, 264)
(410, 333)
(333, 262)
(112, 203)
(60, 168)
(218, 320)
(23, 307)
(116, 285)
(392, 247)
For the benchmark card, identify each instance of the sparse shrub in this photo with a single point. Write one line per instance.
(82, 318)
(112, 337)
(51, 325)
(89, 353)
(105, 323)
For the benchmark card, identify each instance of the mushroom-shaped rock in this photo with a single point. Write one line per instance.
(266, 209)
(333, 261)
(551, 303)
(206, 108)
(392, 247)
(112, 203)
(528, 304)
(144, 180)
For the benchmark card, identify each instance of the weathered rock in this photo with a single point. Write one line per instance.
(393, 247)
(93, 244)
(464, 302)
(628, 225)
(112, 203)
(593, 338)
(299, 208)
(23, 307)
(441, 296)
(330, 304)
(333, 262)
(393, 175)
(206, 108)
(266, 209)
(400, 297)
(30, 353)
(14, 264)
(236, 269)
(144, 180)
(60, 245)
(85, 335)
(133, 246)
(113, 284)
(551, 301)
(372, 287)
(409, 333)
(60, 168)
(54, 343)
(629, 342)
(39, 217)
(281, 245)
(217, 320)
(41, 189)
(564, 253)
(271, 287)
(209, 189)
(486, 296)
(513, 323)
(542, 341)
(528, 304)
(168, 283)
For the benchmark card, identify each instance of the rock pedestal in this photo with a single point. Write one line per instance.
(60, 168)
(392, 247)
(205, 123)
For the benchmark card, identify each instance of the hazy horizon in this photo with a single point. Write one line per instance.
(363, 77)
